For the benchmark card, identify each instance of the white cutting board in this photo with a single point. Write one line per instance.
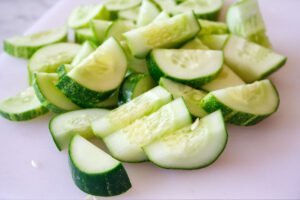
(262, 161)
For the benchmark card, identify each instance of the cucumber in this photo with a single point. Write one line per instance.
(94, 171)
(26, 46)
(190, 95)
(64, 69)
(226, 78)
(126, 114)
(251, 61)
(126, 144)
(49, 58)
(62, 127)
(117, 5)
(82, 15)
(166, 33)
(119, 27)
(195, 44)
(191, 67)
(97, 76)
(214, 42)
(23, 106)
(51, 97)
(167, 5)
(99, 29)
(129, 14)
(85, 34)
(192, 147)
(162, 16)
(110, 102)
(149, 10)
(86, 49)
(211, 27)
(135, 85)
(244, 105)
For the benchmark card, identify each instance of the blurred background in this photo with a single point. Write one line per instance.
(19, 15)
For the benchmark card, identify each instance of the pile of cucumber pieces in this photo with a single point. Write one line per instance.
(153, 79)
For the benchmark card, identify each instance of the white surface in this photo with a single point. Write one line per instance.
(259, 162)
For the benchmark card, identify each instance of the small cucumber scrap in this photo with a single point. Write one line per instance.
(126, 144)
(23, 106)
(85, 34)
(86, 49)
(164, 33)
(127, 113)
(26, 46)
(214, 41)
(149, 10)
(191, 67)
(99, 29)
(94, 171)
(244, 105)
(211, 27)
(251, 61)
(192, 147)
(62, 127)
(118, 5)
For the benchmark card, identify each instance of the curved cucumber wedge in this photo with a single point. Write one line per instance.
(99, 29)
(165, 33)
(23, 106)
(62, 127)
(94, 171)
(50, 96)
(82, 15)
(195, 44)
(86, 49)
(211, 27)
(190, 95)
(135, 85)
(124, 115)
(26, 46)
(119, 27)
(244, 105)
(117, 5)
(126, 144)
(49, 58)
(149, 10)
(129, 14)
(97, 76)
(192, 147)
(251, 61)
(191, 67)
(214, 42)
(85, 34)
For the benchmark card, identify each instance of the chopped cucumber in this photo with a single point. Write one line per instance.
(110, 102)
(214, 42)
(134, 85)
(191, 67)
(129, 14)
(251, 61)
(190, 95)
(23, 106)
(126, 144)
(245, 104)
(86, 49)
(124, 115)
(195, 44)
(49, 95)
(192, 147)
(64, 69)
(119, 27)
(26, 46)
(94, 171)
(116, 5)
(82, 15)
(149, 10)
(49, 58)
(165, 33)
(167, 5)
(99, 29)
(64, 126)
(85, 34)
(162, 16)
(211, 27)
(97, 76)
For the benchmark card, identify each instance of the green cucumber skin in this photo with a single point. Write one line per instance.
(61, 71)
(80, 39)
(25, 115)
(52, 134)
(113, 182)
(213, 16)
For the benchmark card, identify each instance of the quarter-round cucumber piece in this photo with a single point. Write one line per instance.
(85, 34)
(192, 147)
(191, 67)
(211, 27)
(126, 144)
(26, 46)
(97, 76)
(94, 171)
(245, 104)
(49, 95)
(99, 29)
(86, 49)
(116, 5)
(49, 58)
(149, 10)
(119, 27)
(249, 60)
(62, 127)
(214, 41)
(23, 106)
(129, 14)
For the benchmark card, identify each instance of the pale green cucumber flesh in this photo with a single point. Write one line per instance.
(149, 10)
(118, 5)
(211, 27)
(195, 44)
(85, 34)
(117, 29)
(99, 29)
(129, 14)
(214, 42)
(86, 49)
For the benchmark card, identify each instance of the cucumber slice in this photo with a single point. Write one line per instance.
(86, 49)
(94, 171)
(23, 106)
(190, 95)
(85, 34)
(26, 46)
(167, 5)
(149, 10)
(51, 97)
(214, 42)
(134, 85)
(195, 44)
(49, 58)
(99, 29)
(116, 5)
(192, 147)
(162, 16)
(82, 15)
(244, 105)
(129, 14)
(119, 27)
(211, 27)
(124, 115)
(167, 33)
(191, 67)
(97, 76)
(251, 61)
(110, 102)
(126, 144)
(62, 127)
(226, 78)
